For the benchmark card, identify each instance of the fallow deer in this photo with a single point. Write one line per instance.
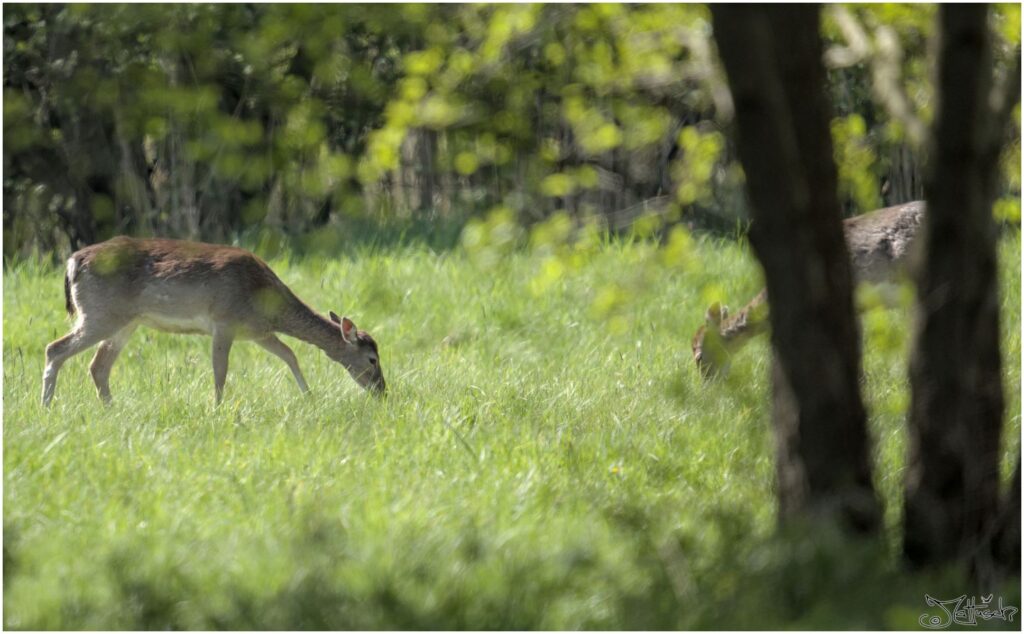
(194, 288)
(880, 244)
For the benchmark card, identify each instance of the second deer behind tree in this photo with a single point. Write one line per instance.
(880, 245)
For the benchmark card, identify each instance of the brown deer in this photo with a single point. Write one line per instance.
(194, 288)
(880, 245)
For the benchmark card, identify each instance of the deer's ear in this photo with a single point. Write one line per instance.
(334, 317)
(348, 330)
(716, 314)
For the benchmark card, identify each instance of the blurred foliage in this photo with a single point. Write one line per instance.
(855, 158)
(212, 120)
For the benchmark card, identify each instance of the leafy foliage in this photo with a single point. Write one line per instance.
(214, 120)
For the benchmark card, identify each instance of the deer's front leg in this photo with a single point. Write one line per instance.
(281, 350)
(222, 340)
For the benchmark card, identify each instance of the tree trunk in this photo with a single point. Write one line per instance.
(427, 169)
(904, 178)
(772, 57)
(952, 485)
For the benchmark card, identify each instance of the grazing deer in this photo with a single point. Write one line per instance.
(880, 244)
(194, 288)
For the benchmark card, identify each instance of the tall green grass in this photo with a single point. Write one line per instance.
(534, 466)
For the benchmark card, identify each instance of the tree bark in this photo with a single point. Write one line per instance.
(772, 56)
(952, 485)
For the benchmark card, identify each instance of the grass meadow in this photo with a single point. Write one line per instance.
(538, 463)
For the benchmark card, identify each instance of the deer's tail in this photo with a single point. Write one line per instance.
(68, 272)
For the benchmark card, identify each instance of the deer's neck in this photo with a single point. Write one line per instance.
(750, 321)
(302, 322)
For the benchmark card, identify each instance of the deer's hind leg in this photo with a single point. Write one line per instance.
(86, 334)
(103, 360)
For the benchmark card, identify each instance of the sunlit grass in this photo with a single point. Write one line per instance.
(534, 466)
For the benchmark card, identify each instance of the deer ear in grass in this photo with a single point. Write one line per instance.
(716, 314)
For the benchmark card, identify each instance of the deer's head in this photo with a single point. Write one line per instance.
(707, 345)
(358, 353)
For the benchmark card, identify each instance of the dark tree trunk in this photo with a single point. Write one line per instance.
(952, 486)
(904, 178)
(772, 57)
(427, 169)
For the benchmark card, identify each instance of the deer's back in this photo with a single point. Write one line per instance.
(881, 242)
(176, 285)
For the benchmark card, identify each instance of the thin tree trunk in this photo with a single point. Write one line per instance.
(426, 143)
(772, 57)
(952, 486)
